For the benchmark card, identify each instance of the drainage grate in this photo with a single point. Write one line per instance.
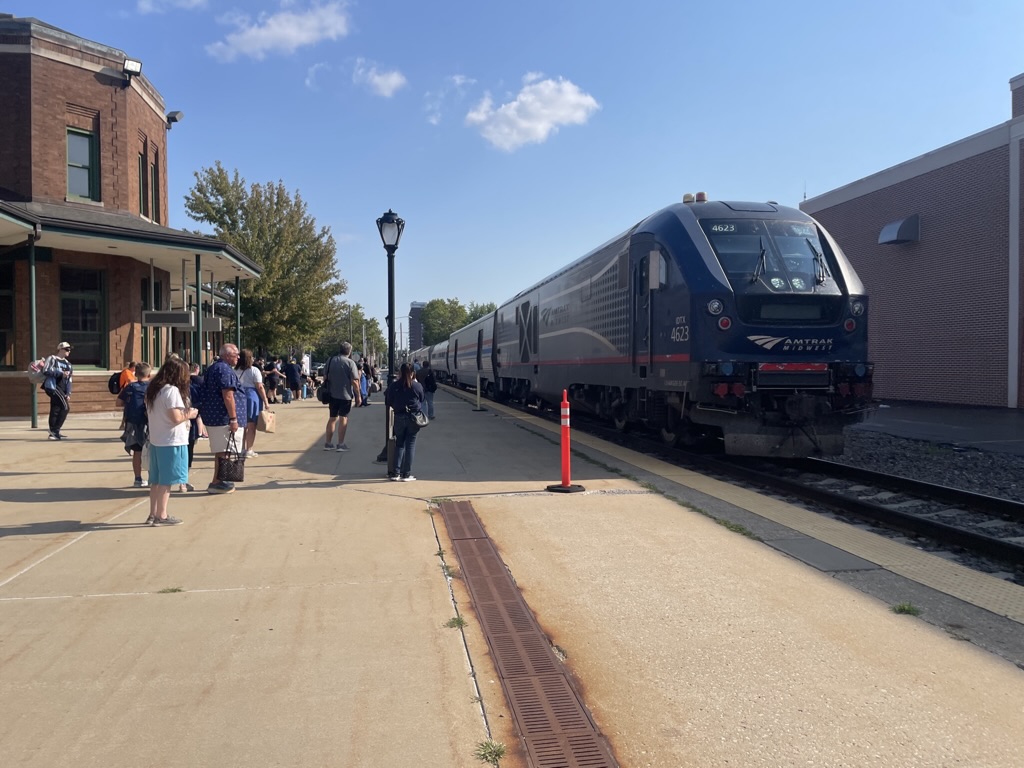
(462, 522)
(555, 726)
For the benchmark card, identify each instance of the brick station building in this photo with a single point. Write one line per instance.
(84, 246)
(937, 242)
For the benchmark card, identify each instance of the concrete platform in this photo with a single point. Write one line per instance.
(309, 625)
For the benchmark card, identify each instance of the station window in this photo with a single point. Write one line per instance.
(154, 186)
(83, 165)
(143, 187)
(83, 314)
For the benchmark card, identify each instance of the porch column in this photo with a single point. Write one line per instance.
(200, 357)
(238, 311)
(32, 328)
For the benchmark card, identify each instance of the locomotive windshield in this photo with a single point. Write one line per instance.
(785, 255)
(771, 263)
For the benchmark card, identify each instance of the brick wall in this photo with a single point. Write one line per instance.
(124, 278)
(938, 307)
(1018, 101)
(66, 96)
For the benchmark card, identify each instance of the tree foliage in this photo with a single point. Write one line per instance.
(440, 317)
(295, 302)
(476, 311)
(349, 327)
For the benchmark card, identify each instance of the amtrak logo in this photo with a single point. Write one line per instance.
(789, 344)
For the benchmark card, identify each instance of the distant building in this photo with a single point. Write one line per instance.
(937, 242)
(83, 214)
(416, 325)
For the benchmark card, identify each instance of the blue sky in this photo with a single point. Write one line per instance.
(513, 137)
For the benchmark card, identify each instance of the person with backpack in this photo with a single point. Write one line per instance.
(136, 422)
(119, 380)
(57, 385)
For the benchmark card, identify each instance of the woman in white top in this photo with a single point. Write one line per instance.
(251, 379)
(169, 412)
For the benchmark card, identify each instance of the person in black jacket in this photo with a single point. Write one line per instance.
(405, 396)
(58, 386)
(425, 376)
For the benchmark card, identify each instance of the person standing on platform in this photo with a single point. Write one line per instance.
(341, 377)
(223, 414)
(251, 380)
(168, 436)
(57, 385)
(425, 376)
(405, 395)
(293, 375)
(135, 419)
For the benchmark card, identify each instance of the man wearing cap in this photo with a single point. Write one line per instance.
(58, 386)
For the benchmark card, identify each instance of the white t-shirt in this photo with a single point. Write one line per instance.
(250, 377)
(163, 431)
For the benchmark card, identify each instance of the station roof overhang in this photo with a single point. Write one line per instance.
(71, 228)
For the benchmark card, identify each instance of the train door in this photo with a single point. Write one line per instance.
(646, 279)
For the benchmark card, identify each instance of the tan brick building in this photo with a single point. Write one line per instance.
(84, 246)
(937, 241)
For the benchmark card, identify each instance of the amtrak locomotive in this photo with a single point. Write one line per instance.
(731, 321)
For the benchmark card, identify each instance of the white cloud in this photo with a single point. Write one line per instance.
(536, 112)
(454, 86)
(282, 32)
(312, 73)
(384, 83)
(159, 6)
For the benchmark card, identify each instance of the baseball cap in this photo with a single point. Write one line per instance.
(63, 345)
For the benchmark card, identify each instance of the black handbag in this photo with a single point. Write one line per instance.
(231, 467)
(420, 418)
(324, 393)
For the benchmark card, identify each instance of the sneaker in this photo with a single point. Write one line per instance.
(251, 454)
(394, 478)
(328, 447)
(342, 447)
(167, 521)
(220, 487)
(150, 520)
(140, 483)
(187, 488)
(52, 436)
(61, 437)
(408, 479)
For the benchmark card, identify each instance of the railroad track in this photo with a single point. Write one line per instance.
(982, 526)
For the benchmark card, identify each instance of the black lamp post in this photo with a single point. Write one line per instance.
(390, 227)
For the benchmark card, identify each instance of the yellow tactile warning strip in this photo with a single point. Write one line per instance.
(993, 594)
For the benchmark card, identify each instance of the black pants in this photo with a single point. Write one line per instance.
(59, 408)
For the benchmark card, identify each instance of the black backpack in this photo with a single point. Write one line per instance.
(114, 383)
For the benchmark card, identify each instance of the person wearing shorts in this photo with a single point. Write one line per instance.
(168, 436)
(223, 413)
(342, 380)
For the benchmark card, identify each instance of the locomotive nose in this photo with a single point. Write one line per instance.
(804, 407)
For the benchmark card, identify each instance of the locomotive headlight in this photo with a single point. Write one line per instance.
(860, 369)
(727, 369)
(715, 307)
(857, 308)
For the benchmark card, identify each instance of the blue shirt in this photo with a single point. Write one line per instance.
(218, 377)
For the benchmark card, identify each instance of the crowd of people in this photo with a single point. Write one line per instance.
(165, 412)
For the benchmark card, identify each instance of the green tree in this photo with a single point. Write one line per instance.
(295, 302)
(476, 311)
(440, 317)
(350, 326)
